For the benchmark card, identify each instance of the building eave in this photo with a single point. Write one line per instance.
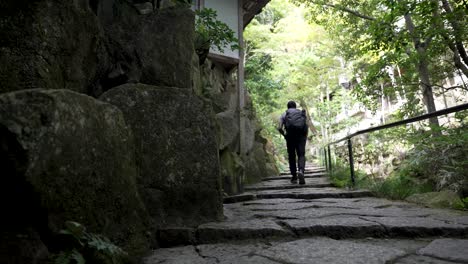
(252, 8)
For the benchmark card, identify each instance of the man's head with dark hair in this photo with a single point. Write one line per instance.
(291, 104)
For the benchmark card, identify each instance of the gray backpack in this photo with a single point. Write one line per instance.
(295, 120)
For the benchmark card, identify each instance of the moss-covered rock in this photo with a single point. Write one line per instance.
(232, 172)
(177, 152)
(443, 199)
(66, 156)
(228, 130)
(50, 44)
(155, 48)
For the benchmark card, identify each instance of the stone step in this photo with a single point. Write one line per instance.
(336, 228)
(305, 171)
(288, 176)
(340, 228)
(287, 187)
(318, 250)
(298, 193)
(286, 184)
(334, 218)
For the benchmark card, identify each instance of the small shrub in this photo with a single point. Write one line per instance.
(399, 187)
(79, 247)
(209, 31)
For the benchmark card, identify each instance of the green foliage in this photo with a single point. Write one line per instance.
(374, 36)
(439, 159)
(397, 187)
(340, 176)
(185, 3)
(69, 257)
(81, 247)
(212, 32)
(465, 203)
(419, 161)
(368, 44)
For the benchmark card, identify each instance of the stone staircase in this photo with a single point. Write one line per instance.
(275, 221)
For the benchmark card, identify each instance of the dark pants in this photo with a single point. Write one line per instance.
(296, 146)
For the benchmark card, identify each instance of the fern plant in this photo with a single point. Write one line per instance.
(82, 247)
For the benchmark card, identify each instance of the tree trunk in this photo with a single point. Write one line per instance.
(457, 32)
(423, 70)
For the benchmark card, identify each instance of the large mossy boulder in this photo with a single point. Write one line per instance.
(228, 130)
(219, 87)
(255, 164)
(442, 199)
(52, 44)
(176, 151)
(232, 172)
(66, 156)
(93, 46)
(156, 48)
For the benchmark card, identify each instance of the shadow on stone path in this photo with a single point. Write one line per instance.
(278, 222)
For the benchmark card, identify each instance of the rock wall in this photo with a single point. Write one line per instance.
(67, 156)
(239, 164)
(99, 124)
(107, 119)
(50, 44)
(176, 156)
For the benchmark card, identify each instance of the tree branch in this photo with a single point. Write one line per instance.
(446, 89)
(456, 30)
(348, 10)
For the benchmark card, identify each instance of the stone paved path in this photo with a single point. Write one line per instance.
(278, 222)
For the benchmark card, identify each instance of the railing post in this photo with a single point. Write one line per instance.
(351, 160)
(325, 161)
(329, 159)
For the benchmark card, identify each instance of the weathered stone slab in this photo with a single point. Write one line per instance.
(306, 171)
(236, 253)
(176, 152)
(176, 236)
(258, 207)
(325, 250)
(336, 227)
(66, 156)
(286, 184)
(419, 227)
(312, 193)
(422, 260)
(447, 249)
(307, 176)
(239, 198)
(238, 230)
(451, 217)
(410, 245)
(179, 255)
(314, 250)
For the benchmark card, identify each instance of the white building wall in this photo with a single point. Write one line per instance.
(227, 11)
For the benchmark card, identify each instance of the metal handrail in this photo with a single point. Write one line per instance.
(328, 164)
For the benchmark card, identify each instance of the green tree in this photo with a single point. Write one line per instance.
(415, 35)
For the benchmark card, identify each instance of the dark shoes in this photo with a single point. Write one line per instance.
(300, 175)
(294, 179)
